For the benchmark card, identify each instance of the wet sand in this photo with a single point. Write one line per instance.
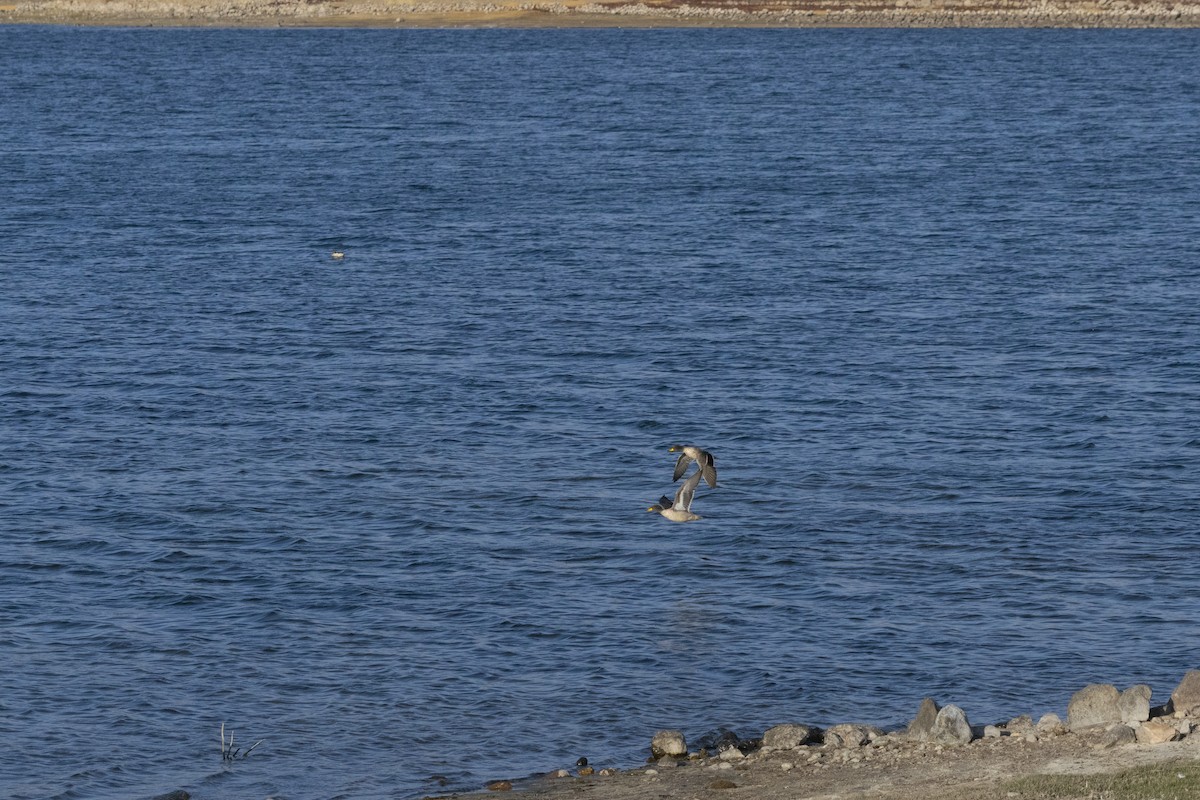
(607, 13)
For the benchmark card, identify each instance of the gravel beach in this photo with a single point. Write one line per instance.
(939, 756)
(888, 770)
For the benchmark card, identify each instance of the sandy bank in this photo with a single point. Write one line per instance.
(609, 13)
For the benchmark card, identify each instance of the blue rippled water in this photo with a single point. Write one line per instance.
(932, 298)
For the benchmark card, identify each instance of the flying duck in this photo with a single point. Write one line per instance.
(704, 461)
(680, 510)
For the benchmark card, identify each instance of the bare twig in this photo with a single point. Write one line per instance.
(231, 753)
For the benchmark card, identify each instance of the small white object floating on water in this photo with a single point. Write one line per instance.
(337, 255)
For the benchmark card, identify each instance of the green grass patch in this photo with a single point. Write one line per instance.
(1175, 780)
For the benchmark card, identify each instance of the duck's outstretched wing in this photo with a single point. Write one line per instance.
(707, 468)
(681, 465)
(683, 498)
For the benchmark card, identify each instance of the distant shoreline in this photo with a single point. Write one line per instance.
(605, 13)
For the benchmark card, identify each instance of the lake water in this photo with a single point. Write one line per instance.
(931, 297)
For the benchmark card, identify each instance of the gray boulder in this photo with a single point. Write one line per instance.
(1186, 697)
(1134, 704)
(668, 743)
(951, 726)
(788, 737)
(947, 725)
(1095, 704)
(922, 724)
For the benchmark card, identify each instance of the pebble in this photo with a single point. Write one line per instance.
(787, 766)
(560, 773)
(500, 786)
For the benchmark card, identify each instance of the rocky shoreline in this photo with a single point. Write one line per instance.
(939, 755)
(1108, 735)
(610, 13)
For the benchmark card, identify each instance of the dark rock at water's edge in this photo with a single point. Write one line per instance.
(178, 794)
(717, 740)
(790, 736)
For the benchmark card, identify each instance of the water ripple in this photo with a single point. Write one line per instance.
(939, 324)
